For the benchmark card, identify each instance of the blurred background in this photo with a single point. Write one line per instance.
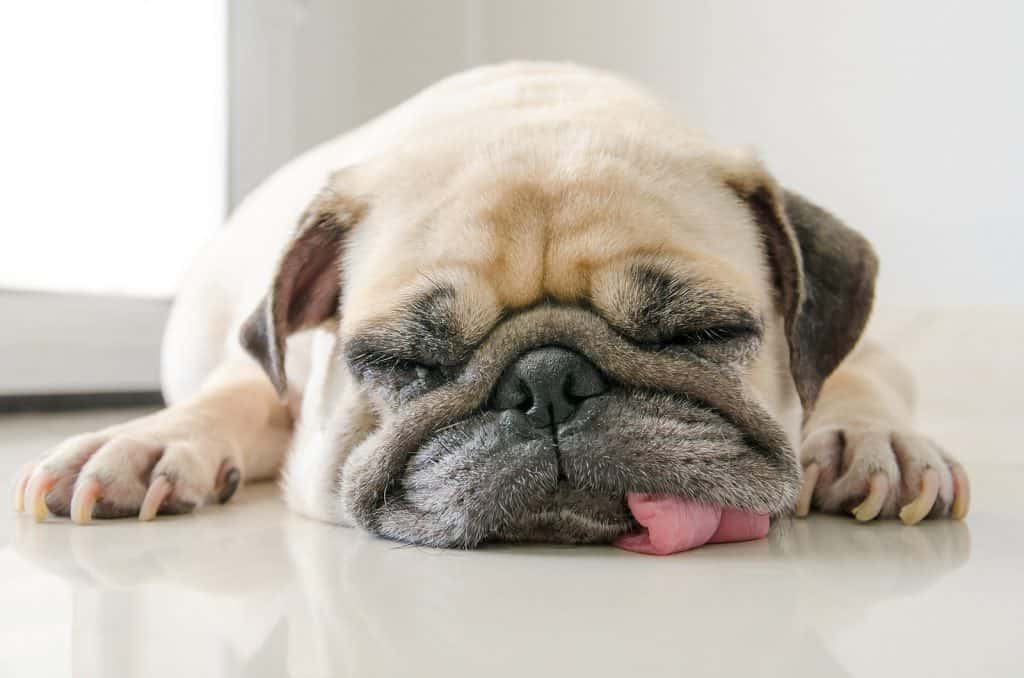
(130, 128)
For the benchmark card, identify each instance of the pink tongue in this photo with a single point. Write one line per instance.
(671, 524)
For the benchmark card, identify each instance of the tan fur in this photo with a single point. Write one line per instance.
(517, 185)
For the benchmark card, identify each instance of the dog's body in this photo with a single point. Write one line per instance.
(519, 213)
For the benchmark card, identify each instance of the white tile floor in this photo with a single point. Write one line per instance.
(249, 589)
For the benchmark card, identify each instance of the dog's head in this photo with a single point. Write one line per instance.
(534, 332)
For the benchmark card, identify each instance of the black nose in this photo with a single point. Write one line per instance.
(547, 385)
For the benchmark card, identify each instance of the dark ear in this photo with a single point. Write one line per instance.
(307, 282)
(825, 275)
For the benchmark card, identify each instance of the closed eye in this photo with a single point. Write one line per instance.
(719, 343)
(714, 335)
(398, 370)
(383, 361)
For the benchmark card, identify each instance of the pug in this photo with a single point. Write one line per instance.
(528, 304)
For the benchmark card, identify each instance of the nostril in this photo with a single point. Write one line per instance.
(584, 383)
(512, 394)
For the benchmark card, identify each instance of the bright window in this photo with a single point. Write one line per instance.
(112, 142)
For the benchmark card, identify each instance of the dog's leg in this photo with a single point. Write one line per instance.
(196, 451)
(861, 454)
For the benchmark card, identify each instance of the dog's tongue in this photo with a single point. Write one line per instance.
(671, 524)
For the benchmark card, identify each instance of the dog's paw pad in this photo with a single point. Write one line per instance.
(873, 472)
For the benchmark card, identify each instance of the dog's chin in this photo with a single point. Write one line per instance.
(570, 516)
(493, 477)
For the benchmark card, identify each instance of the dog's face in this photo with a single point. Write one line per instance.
(532, 337)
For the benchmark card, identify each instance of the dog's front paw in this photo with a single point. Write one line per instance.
(876, 471)
(169, 462)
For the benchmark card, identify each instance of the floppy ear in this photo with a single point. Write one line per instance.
(825, 275)
(306, 287)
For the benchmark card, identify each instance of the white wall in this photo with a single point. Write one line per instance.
(902, 117)
(113, 137)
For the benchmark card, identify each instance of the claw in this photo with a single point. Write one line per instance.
(228, 485)
(803, 502)
(84, 500)
(19, 489)
(962, 490)
(878, 490)
(38, 487)
(915, 511)
(155, 496)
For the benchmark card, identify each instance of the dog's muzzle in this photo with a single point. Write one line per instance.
(559, 430)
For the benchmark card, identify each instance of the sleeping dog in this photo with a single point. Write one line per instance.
(528, 304)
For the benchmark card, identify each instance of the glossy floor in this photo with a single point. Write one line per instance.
(250, 590)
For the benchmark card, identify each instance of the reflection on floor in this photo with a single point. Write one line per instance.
(249, 589)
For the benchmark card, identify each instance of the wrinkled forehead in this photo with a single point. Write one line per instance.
(486, 247)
